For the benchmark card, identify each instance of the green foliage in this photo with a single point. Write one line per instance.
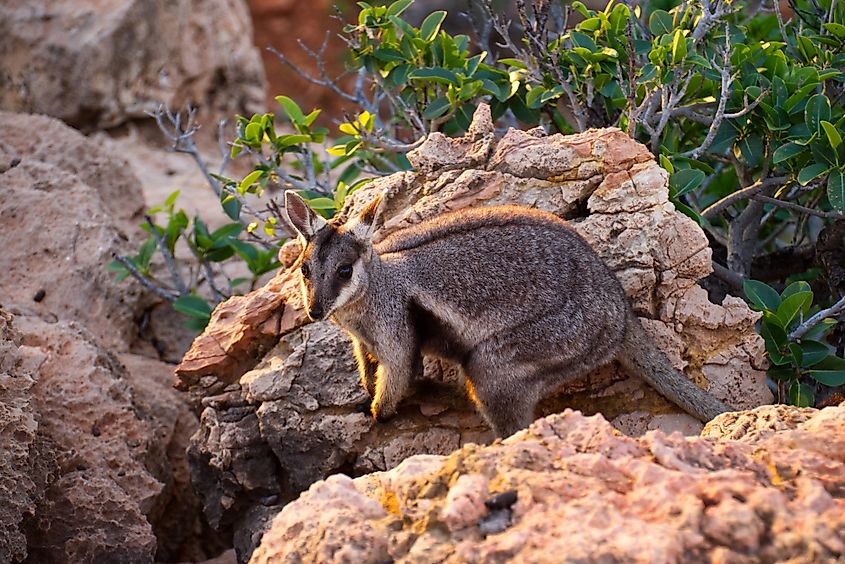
(725, 97)
(799, 364)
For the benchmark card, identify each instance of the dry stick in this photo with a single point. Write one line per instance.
(168, 257)
(742, 194)
(798, 207)
(832, 311)
(727, 275)
(146, 282)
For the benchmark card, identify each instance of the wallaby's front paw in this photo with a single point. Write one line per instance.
(382, 413)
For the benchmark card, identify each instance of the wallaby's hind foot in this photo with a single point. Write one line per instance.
(506, 412)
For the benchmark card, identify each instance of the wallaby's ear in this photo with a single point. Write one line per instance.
(301, 217)
(366, 223)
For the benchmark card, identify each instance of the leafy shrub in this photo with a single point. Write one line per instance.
(792, 331)
(742, 106)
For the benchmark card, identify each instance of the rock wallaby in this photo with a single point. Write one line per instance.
(512, 294)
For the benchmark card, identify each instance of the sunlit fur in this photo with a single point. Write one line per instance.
(512, 294)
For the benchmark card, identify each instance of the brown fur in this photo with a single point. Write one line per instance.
(512, 294)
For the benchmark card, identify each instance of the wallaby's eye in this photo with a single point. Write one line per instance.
(345, 271)
(306, 271)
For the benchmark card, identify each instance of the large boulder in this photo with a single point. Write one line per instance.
(278, 394)
(97, 470)
(99, 64)
(767, 485)
(66, 207)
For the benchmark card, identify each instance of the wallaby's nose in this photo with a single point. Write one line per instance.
(316, 313)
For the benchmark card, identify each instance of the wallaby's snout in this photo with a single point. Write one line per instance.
(315, 312)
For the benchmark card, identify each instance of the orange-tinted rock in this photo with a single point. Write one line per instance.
(583, 492)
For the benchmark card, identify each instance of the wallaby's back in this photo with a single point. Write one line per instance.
(489, 270)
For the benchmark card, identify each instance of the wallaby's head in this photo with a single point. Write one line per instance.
(336, 259)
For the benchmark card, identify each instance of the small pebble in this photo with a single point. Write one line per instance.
(501, 501)
(39, 295)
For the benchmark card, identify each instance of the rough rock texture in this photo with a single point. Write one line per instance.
(573, 487)
(24, 466)
(280, 399)
(117, 437)
(98, 64)
(66, 206)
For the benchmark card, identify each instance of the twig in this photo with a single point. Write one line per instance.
(742, 194)
(734, 279)
(798, 207)
(832, 311)
(168, 257)
(146, 282)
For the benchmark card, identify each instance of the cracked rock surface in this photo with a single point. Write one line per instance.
(758, 486)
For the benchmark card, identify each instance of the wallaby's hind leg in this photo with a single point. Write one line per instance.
(507, 404)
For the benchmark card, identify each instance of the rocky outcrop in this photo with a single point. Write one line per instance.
(98, 470)
(25, 467)
(66, 206)
(96, 65)
(96, 467)
(572, 486)
(280, 399)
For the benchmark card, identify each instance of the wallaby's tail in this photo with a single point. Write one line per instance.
(640, 356)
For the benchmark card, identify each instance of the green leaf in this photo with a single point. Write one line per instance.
(781, 373)
(667, 164)
(790, 306)
(686, 180)
(290, 139)
(761, 295)
(811, 172)
(836, 29)
(398, 7)
(431, 25)
(814, 352)
(830, 371)
(291, 109)
(786, 151)
(232, 207)
(801, 395)
(246, 251)
(438, 107)
(774, 338)
(794, 288)
(660, 22)
(679, 47)
(836, 189)
(435, 74)
(816, 111)
(229, 230)
(171, 199)
(833, 136)
(193, 306)
(252, 133)
(249, 180)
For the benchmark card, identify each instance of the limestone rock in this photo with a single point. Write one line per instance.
(65, 207)
(124, 58)
(25, 462)
(583, 492)
(97, 467)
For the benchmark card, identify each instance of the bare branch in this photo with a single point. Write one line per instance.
(743, 194)
(798, 208)
(832, 311)
(168, 257)
(146, 282)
